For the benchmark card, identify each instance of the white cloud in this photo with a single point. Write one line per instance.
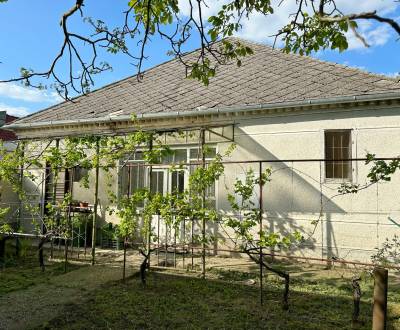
(395, 75)
(14, 111)
(383, 7)
(374, 34)
(260, 28)
(18, 92)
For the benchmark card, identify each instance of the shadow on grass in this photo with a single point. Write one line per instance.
(24, 272)
(182, 302)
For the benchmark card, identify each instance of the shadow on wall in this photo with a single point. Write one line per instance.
(294, 190)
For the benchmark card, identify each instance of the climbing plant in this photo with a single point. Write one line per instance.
(246, 222)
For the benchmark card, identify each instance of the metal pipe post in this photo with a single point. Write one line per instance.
(261, 230)
(96, 200)
(203, 225)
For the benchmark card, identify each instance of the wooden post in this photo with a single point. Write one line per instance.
(96, 198)
(380, 299)
(203, 204)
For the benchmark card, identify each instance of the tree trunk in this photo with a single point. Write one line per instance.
(356, 299)
(3, 251)
(41, 257)
(65, 254)
(282, 274)
(144, 266)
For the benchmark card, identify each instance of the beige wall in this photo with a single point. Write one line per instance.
(8, 199)
(352, 226)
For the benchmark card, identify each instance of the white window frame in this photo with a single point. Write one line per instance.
(167, 169)
(351, 170)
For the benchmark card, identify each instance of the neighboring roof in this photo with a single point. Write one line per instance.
(6, 119)
(268, 76)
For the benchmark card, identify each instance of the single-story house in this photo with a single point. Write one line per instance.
(291, 111)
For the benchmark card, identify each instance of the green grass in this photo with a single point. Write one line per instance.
(182, 302)
(319, 298)
(24, 272)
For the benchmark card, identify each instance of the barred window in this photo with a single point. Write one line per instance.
(337, 151)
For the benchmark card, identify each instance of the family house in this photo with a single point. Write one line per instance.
(310, 121)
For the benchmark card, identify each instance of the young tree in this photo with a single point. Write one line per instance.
(250, 235)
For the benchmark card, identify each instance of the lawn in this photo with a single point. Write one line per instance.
(172, 301)
(96, 298)
(20, 274)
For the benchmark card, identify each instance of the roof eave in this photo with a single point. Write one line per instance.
(210, 111)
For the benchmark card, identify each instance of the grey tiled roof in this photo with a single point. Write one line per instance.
(268, 76)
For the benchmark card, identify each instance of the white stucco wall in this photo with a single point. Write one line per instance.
(352, 226)
(8, 199)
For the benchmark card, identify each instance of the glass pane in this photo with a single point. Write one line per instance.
(137, 177)
(178, 182)
(139, 155)
(124, 180)
(157, 182)
(180, 156)
(337, 147)
(174, 181)
(210, 192)
(167, 159)
(194, 154)
(211, 153)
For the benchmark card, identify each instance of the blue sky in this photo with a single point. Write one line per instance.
(30, 37)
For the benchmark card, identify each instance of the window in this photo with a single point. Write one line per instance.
(158, 181)
(337, 153)
(133, 176)
(194, 157)
(79, 173)
(178, 181)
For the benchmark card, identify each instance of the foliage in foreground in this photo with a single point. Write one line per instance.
(311, 26)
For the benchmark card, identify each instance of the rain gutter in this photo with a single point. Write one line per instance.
(209, 111)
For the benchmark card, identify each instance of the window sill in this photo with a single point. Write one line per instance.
(338, 181)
